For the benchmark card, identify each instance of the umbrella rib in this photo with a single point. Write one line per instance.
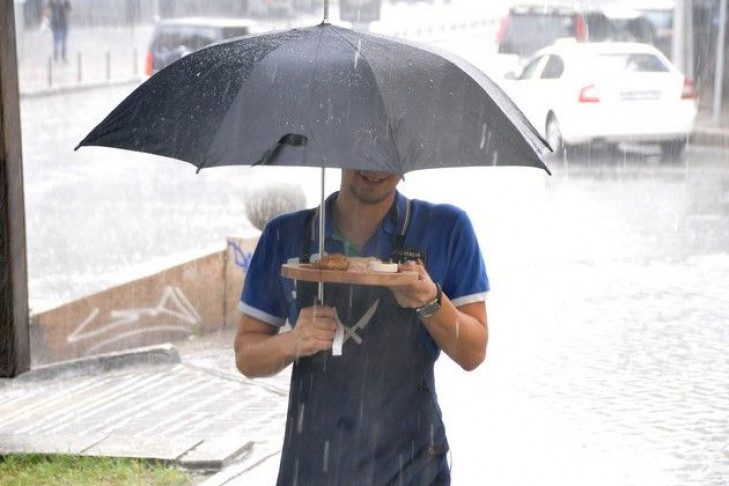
(448, 57)
(314, 75)
(206, 153)
(382, 101)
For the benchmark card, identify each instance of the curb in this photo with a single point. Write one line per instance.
(233, 474)
(163, 354)
(211, 455)
(73, 88)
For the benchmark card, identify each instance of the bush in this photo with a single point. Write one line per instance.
(264, 204)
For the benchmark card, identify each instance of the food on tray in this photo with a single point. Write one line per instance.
(361, 264)
(337, 261)
(333, 261)
(382, 267)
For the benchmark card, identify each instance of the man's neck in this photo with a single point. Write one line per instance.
(357, 221)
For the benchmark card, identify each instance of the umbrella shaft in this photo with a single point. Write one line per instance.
(322, 228)
(326, 12)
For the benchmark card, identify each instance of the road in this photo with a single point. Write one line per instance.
(607, 359)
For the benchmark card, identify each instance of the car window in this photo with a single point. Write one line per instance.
(534, 31)
(190, 37)
(633, 30)
(531, 70)
(631, 62)
(539, 25)
(661, 19)
(554, 68)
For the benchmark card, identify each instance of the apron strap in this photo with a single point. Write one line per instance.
(308, 235)
(404, 224)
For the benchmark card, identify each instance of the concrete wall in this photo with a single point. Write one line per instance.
(192, 298)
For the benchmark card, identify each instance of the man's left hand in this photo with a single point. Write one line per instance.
(419, 293)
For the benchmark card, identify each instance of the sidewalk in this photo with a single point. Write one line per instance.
(185, 404)
(707, 132)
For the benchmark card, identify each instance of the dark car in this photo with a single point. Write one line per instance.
(660, 16)
(630, 26)
(526, 29)
(175, 38)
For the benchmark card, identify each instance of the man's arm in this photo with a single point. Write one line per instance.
(261, 351)
(461, 332)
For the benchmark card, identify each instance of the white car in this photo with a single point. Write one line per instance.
(605, 92)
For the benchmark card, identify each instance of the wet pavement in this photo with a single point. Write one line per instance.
(190, 407)
(607, 360)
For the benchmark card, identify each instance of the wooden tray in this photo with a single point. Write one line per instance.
(305, 272)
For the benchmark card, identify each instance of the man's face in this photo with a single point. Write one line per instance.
(368, 186)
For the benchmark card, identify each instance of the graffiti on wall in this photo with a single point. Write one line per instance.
(125, 323)
(241, 258)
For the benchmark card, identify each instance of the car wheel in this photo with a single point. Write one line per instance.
(554, 135)
(674, 150)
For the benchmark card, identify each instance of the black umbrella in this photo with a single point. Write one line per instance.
(323, 96)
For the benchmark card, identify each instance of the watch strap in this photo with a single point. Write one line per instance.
(433, 306)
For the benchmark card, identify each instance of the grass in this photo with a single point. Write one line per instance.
(42, 470)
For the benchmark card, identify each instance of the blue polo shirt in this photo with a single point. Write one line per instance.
(444, 232)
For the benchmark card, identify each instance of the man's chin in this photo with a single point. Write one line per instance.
(372, 198)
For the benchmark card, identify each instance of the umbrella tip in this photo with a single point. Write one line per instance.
(326, 12)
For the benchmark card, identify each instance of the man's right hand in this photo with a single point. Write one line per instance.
(314, 330)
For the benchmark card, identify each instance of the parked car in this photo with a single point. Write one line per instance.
(598, 26)
(606, 92)
(175, 38)
(628, 25)
(526, 29)
(660, 14)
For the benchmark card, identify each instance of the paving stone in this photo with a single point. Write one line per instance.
(214, 454)
(165, 449)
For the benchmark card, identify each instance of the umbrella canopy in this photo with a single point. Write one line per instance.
(323, 96)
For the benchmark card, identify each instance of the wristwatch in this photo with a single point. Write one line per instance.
(433, 306)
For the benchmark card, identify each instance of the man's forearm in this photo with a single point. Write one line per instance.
(258, 355)
(459, 332)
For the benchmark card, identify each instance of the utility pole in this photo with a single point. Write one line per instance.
(689, 38)
(14, 326)
(682, 47)
(678, 46)
(720, 55)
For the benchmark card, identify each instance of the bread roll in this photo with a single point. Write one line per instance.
(333, 261)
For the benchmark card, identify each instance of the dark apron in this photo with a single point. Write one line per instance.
(370, 416)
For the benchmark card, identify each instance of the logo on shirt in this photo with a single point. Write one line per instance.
(404, 255)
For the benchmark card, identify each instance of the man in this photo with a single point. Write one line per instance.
(58, 12)
(369, 416)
